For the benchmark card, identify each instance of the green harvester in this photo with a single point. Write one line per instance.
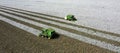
(49, 33)
(70, 17)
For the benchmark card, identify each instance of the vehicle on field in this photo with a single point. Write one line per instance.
(49, 33)
(70, 17)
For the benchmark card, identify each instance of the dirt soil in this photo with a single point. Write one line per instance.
(15, 40)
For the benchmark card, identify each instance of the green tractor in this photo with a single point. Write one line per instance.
(70, 17)
(49, 33)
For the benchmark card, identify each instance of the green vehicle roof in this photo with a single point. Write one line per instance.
(49, 30)
(70, 16)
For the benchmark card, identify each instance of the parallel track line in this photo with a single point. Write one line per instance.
(79, 37)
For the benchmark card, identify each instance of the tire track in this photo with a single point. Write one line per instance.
(71, 30)
(72, 27)
(62, 43)
(35, 12)
(21, 26)
(96, 30)
(75, 36)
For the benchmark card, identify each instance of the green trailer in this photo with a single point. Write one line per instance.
(70, 17)
(49, 33)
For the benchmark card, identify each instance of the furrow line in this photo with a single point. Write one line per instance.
(71, 29)
(63, 21)
(22, 26)
(72, 35)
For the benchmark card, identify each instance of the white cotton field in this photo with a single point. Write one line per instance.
(99, 14)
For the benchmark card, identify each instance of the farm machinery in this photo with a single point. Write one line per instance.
(48, 33)
(70, 17)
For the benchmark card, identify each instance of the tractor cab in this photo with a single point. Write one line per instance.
(47, 33)
(70, 17)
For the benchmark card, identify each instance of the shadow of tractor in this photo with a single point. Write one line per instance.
(55, 36)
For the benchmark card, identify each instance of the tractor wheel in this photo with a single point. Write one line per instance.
(42, 36)
(49, 38)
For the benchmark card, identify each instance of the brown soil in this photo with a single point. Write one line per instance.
(15, 40)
